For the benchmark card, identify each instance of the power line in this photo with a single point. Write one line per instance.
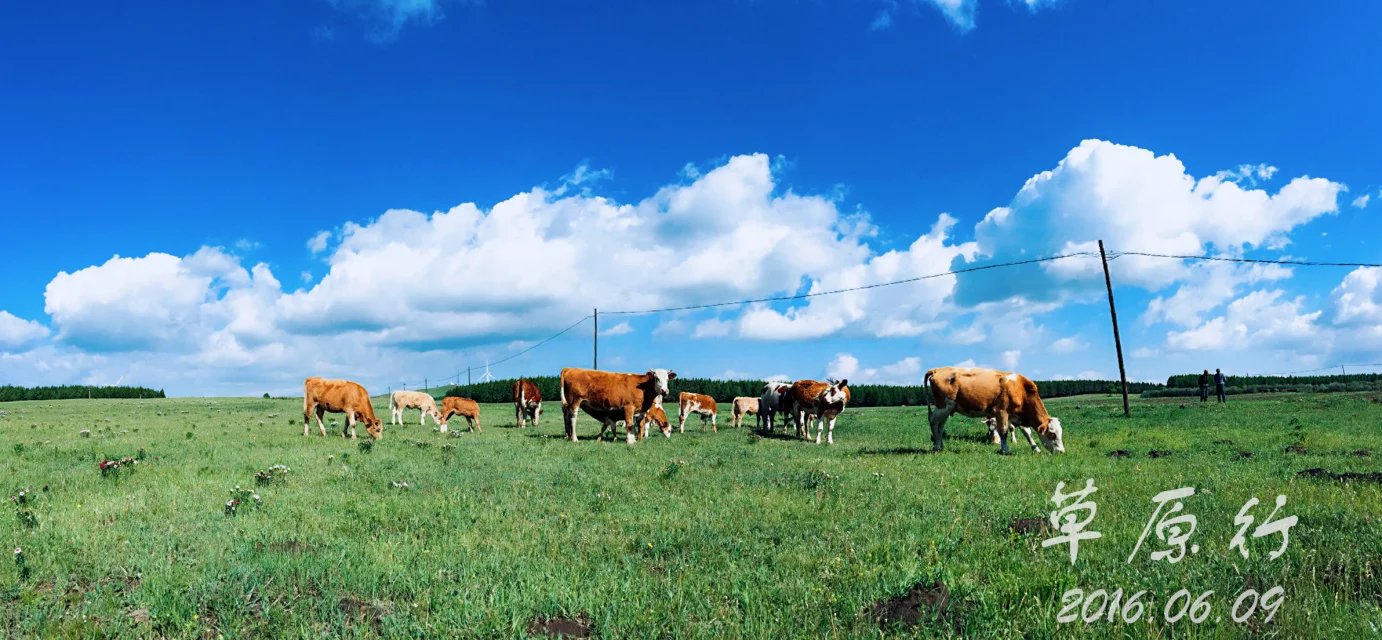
(1304, 263)
(1085, 254)
(545, 341)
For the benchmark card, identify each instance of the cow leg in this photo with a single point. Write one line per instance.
(630, 425)
(568, 414)
(348, 429)
(306, 411)
(321, 424)
(1027, 431)
(681, 419)
(537, 414)
(820, 428)
(445, 422)
(713, 428)
(1003, 428)
(830, 432)
(938, 419)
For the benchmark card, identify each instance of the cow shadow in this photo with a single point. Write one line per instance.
(897, 451)
(776, 435)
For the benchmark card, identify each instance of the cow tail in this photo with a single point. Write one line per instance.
(926, 386)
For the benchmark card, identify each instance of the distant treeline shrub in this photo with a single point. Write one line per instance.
(862, 395)
(1276, 387)
(11, 393)
(1287, 383)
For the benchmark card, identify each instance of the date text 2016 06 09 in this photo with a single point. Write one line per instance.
(1101, 605)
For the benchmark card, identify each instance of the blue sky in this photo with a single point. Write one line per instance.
(389, 190)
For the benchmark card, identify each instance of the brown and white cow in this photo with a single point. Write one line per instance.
(772, 402)
(826, 400)
(689, 402)
(320, 395)
(527, 403)
(630, 393)
(1006, 398)
(400, 400)
(654, 415)
(743, 406)
(464, 407)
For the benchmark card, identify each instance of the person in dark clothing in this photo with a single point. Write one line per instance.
(1219, 382)
(1204, 386)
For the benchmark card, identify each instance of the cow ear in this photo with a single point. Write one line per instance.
(844, 383)
(671, 375)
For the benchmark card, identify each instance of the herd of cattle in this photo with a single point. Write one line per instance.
(1002, 399)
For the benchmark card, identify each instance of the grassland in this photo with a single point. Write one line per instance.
(701, 536)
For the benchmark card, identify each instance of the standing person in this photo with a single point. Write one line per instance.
(1219, 382)
(1204, 386)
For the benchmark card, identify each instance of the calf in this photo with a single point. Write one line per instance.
(824, 399)
(743, 407)
(464, 407)
(654, 415)
(699, 404)
(527, 402)
(400, 400)
(320, 395)
(1001, 398)
(629, 393)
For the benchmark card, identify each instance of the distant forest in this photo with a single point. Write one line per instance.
(861, 395)
(1186, 385)
(11, 393)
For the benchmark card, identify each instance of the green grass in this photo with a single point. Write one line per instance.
(700, 536)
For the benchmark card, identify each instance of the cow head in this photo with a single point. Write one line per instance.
(1051, 436)
(660, 378)
(836, 393)
(374, 427)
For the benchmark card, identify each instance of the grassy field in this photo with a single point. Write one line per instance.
(701, 536)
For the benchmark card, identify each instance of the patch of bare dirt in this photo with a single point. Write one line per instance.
(561, 627)
(1158, 453)
(1318, 473)
(1120, 453)
(1242, 455)
(1363, 453)
(372, 611)
(1297, 448)
(923, 602)
(1029, 526)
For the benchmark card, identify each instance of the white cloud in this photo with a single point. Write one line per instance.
(1361, 202)
(712, 328)
(1261, 320)
(617, 330)
(1011, 358)
(1133, 199)
(899, 311)
(1068, 344)
(386, 18)
(846, 367)
(317, 243)
(1207, 286)
(1358, 299)
(17, 333)
(1250, 174)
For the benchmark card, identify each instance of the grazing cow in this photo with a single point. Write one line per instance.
(771, 403)
(400, 400)
(823, 399)
(654, 415)
(602, 391)
(464, 407)
(527, 403)
(743, 407)
(699, 404)
(1003, 399)
(320, 395)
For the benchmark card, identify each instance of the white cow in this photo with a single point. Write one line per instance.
(772, 402)
(401, 400)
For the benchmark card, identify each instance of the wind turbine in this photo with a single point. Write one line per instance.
(487, 376)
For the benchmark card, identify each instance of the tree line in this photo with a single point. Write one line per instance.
(10, 393)
(862, 395)
(1192, 380)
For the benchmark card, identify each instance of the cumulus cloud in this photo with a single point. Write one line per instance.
(17, 333)
(1068, 344)
(1358, 298)
(847, 367)
(1207, 286)
(617, 330)
(1263, 319)
(1361, 202)
(1134, 200)
(317, 243)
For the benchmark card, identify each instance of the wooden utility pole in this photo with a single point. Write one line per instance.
(467, 376)
(1117, 342)
(596, 363)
